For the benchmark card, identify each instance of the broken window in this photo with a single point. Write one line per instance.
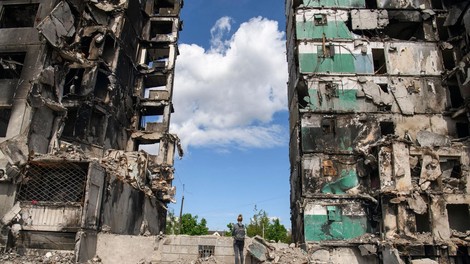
(97, 128)
(161, 28)
(206, 251)
(157, 57)
(436, 4)
(371, 4)
(441, 30)
(150, 148)
(18, 16)
(320, 19)
(378, 56)
(73, 82)
(109, 50)
(11, 65)
(4, 120)
(326, 51)
(62, 182)
(155, 82)
(423, 223)
(448, 57)
(102, 86)
(387, 128)
(405, 25)
(456, 99)
(458, 215)
(162, 7)
(462, 130)
(328, 125)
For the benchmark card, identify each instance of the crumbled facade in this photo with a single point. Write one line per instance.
(85, 106)
(379, 148)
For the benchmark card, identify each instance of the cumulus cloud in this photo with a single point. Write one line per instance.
(227, 95)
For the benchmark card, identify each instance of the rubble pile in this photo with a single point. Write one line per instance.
(264, 252)
(63, 257)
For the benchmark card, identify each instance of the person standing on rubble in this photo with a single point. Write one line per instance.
(238, 234)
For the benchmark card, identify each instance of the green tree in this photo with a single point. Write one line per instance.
(171, 227)
(261, 225)
(277, 232)
(230, 228)
(191, 226)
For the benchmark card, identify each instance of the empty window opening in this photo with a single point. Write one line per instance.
(109, 49)
(161, 6)
(456, 99)
(448, 57)
(97, 128)
(387, 128)
(18, 16)
(458, 215)
(371, 4)
(156, 81)
(463, 256)
(456, 170)
(326, 51)
(436, 4)
(73, 82)
(441, 30)
(328, 126)
(423, 223)
(462, 130)
(378, 56)
(206, 251)
(62, 182)
(102, 86)
(405, 25)
(150, 148)
(69, 123)
(151, 122)
(158, 58)
(320, 20)
(383, 87)
(4, 120)
(161, 28)
(11, 65)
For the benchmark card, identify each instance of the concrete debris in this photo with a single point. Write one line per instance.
(368, 250)
(48, 257)
(424, 261)
(417, 204)
(58, 26)
(264, 252)
(430, 139)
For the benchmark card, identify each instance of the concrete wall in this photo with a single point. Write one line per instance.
(169, 249)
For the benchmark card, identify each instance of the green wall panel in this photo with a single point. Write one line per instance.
(344, 100)
(335, 3)
(333, 29)
(318, 227)
(339, 63)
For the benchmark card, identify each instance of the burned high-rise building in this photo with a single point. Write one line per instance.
(86, 98)
(379, 146)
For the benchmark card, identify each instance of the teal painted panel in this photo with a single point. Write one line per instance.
(335, 3)
(346, 181)
(339, 63)
(332, 30)
(318, 228)
(344, 100)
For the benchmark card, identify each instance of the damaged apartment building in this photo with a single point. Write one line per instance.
(85, 106)
(379, 122)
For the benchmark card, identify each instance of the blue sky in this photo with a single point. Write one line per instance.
(230, 101)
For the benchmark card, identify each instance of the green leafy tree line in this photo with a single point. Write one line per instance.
(261, 225)
(189, 225)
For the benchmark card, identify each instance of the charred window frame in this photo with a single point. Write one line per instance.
(5, 115)
(18, 15)
(11, 65)
(161, 27)
(53, 182)
(326, 51)
(378, 57)
(320, 20)
(458, 215)
(328, 125)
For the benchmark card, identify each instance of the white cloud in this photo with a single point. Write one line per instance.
(227, 95)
